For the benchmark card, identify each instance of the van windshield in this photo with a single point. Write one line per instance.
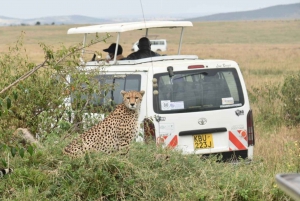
(198, 90)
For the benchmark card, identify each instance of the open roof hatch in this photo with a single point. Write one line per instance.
(129, 26)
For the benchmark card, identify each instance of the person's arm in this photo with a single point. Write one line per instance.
(131, 57)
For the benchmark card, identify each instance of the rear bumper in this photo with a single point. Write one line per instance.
(224, 154)
(230, 156)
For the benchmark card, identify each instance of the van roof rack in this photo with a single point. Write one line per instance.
(129, 26)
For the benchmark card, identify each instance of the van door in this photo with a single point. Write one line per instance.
(127, 81)
(110, 85)
(199, 110)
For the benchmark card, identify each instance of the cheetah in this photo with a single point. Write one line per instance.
(115, 132)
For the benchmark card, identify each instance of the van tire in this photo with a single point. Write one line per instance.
(159, 50)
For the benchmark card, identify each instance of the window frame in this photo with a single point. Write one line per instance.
(156, 105)
(100, 81)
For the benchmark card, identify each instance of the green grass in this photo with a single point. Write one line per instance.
(48, 175)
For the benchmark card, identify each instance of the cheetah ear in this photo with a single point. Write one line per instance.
(123, 92)
(142, 92)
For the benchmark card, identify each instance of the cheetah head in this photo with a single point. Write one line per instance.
(132, 99)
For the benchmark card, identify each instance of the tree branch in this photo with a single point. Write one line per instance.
(23, 77)
(26, 75)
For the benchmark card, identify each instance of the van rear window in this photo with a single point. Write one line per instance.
(198, 90)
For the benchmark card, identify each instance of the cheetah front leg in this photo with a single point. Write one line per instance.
(123, 148)
(124, 144)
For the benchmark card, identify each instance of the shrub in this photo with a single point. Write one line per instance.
(291, 99)
(268, 101)
(278, 105)
(37, 101)
(139, 176)
(33, 96)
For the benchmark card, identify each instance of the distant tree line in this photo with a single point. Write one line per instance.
(39, 23)
(36, 24)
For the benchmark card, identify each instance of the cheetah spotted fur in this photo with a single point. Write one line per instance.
(115, 132)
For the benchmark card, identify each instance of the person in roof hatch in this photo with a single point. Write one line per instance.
(111, 52)
(144, 50)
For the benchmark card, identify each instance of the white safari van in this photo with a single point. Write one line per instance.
(157, 45)
(193, 105)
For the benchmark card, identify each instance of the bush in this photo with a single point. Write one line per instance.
(291, 99)
(33, 96)
(37, 102)
(278, 105)
(48, 175)
(268, 101)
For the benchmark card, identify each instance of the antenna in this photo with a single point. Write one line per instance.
(150, 48)
(143, 15)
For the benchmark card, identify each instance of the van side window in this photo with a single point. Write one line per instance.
(116, 83)
(197, 90)
(111, 86)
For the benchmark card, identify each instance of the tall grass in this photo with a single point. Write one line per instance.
(47, 175)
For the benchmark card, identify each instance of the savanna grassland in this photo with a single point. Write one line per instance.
(268, 53)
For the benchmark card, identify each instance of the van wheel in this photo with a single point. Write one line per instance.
(159, 50)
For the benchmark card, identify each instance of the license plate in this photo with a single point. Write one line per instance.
(204, 141)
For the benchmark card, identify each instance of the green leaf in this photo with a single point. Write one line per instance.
(30, 150)
(21, 152)
(8, 103)
(15, 94)
(58, 67)
(13, 151)
(2, 147)
(3, 162)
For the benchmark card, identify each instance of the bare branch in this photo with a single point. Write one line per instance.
(23, 77)
(26, 75)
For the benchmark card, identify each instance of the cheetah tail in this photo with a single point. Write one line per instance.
(5, 171)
